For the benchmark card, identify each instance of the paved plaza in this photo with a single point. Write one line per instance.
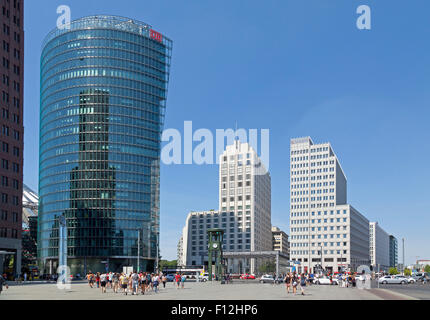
(240, 290)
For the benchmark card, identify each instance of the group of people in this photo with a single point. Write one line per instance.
(133, 283)
(346, 280)
(294, 280)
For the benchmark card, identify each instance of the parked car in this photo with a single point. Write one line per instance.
(411, 280)
(267, 278)
(247, 276)
(393, 280)
(400, 277)
(325, 280)
(421, 277)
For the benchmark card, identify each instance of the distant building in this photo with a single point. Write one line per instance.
(379, 247)
(325, 232)
(103, 97)
(12, 136)
(245, 196)
(193, 249)
(280, 241)
(244, 212)
(393, 252)
(30, 205)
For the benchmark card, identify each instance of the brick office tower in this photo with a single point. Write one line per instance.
(12, 133)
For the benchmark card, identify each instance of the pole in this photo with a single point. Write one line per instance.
(157, 261)
(149, 241)
(403, 267)
(138, 250)
(378, 276)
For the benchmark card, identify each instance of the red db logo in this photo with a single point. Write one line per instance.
(156, 35)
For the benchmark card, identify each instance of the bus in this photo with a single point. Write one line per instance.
(190, 272)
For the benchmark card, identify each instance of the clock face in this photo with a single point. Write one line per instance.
(215, 245)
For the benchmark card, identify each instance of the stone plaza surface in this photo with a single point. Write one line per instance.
(195, 291)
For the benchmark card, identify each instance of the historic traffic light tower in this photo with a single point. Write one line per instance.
(215, 237)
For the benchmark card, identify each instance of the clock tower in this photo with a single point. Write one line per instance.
(215, 237)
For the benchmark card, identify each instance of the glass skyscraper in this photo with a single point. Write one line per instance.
(104, 83)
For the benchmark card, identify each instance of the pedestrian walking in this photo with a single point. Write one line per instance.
(124, 282)
(287, 281)
(302, 284)
(177, 280)
(115, 282)
(135, 283)
(149, 285)
(294, 281)
(109, 277)
(90, 279)
(103, 282)
(142, 283)
(183, 279)
(98, 279)
(155, 281)
(164, 280)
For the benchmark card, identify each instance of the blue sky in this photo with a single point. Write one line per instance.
(298, 68)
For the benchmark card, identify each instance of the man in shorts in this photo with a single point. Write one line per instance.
(124, 282)
(134, 283)
(103, 282)
(90, 279)
(109, 277)
(177, 280)
(115, 282)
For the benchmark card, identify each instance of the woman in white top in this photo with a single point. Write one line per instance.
(155, 282)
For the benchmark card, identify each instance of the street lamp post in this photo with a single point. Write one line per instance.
(157, 258)
(138, 250)
(403, 267)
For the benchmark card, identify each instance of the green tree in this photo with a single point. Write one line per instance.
(427, 268)
(168, 264)
(268, 267)
(393, 271)
(408, 272)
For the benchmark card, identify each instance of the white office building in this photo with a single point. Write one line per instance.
(379, 247)
(244, 211)
(325, 231)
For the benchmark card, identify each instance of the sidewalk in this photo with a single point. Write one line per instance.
(192, 291)
(390, 295)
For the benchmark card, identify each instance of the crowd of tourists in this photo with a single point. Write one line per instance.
(295, 281)
(134, 283)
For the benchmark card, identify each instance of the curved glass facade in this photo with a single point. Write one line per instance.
(103, 97)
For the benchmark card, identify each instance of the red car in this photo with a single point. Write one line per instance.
(247, 276)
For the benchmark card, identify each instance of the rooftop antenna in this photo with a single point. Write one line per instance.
(236, 138)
